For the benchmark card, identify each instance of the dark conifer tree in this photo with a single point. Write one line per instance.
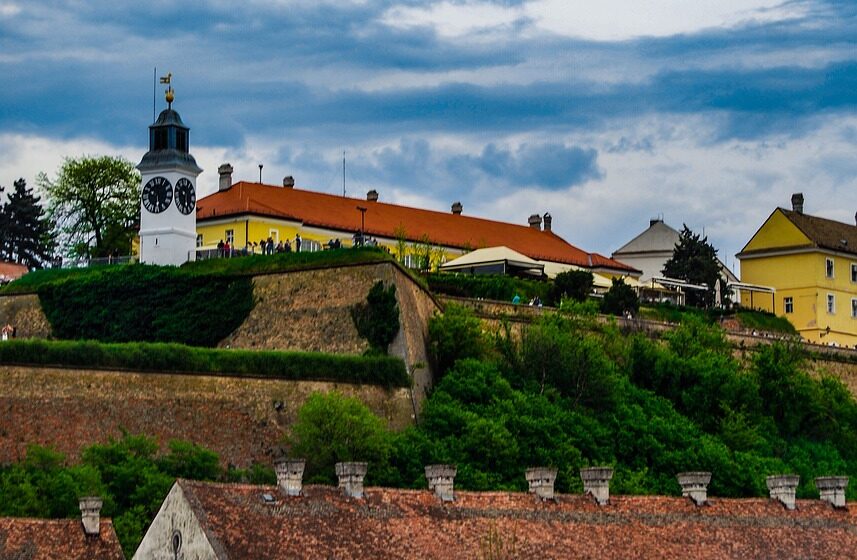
(26, 233)
(694, 260)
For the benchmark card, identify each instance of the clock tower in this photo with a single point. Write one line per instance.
(168, 202)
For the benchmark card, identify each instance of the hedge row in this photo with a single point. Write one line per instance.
(488, 286)
(176, 358)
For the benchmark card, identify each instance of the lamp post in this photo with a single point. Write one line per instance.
(362, 223)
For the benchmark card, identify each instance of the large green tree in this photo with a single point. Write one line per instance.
(26, 233)
(95, 203)
(694, 260)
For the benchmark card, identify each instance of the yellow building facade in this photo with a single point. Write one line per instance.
(811, 262)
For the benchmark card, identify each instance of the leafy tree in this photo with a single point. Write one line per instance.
(620, 299)
(574, 284)
(26, 233)
(454, 335)
(694, 260)
(377, 319)
(332, 428)
(95, 203)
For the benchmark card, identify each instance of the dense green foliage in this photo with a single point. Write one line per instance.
(26, 233)
(620, 299)
(146, 303)
(572, 284)
(453, 335)
(489, 286)
(748, 319)
(377, 319)
(128, 474)
(764, 321)
(159, 357)
(694, 259)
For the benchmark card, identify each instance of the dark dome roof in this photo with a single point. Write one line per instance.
(169, 117)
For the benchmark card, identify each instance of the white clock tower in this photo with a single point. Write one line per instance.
(168, 202)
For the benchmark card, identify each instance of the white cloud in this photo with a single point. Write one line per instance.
(8, 9)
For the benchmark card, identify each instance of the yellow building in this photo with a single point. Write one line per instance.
(245, 213)
(812, 264)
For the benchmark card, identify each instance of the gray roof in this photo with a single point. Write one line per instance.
(656, 238)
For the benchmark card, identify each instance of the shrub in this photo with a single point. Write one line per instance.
(377, 319)
(488, 286)
(454, 335)
(573, 284)
(620, 299)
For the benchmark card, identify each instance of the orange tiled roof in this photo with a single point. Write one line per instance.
(391, 523)
(43, 539)
(386, 220)
(12, 271)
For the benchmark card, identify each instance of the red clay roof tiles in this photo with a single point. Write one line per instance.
(54, 539)
(391, 523)
(388, 220)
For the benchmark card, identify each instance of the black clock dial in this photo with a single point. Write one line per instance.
(157, 195)
(185, 196)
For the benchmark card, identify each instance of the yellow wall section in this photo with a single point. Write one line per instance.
(777, 231)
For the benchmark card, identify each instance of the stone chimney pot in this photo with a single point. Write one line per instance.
(290, 474)
(372, 196)
(797, 202)
(457, 208)
(90, 514)
(694, 485)
(832, 489)
(225, 172)
(441, 479)
(541, 481)
(596, 481)
(535, 221)
(351, 477)
(289, 182)
(783, 488)
(548, 219)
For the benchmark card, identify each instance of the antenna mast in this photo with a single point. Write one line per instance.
(343, 173)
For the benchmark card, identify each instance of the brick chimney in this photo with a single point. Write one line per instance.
(351, 477)
(457, 208)
(596, 481)
(783, 488)
(832, 489)
(90, 515)
(694, 485)
(535, 221)
(548, 219)
(372, 196)
(290, 474)
(797, 202)
(541, 481)
(441, 480)
(289, 182)
(225, 172)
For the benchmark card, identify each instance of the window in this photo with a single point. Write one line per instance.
(199, 240)
(854, 272)
(789, 305)
(412, 261)
(274, 234)
(230, 236)
(831, 304)
(853, 308)
(310, 246)
(829, 267)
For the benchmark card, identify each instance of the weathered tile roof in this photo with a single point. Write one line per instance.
(391, 523)
(11, 271)
(390, 220)
(43, 539)
(824, 233)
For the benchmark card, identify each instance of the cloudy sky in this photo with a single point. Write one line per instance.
(604, 114)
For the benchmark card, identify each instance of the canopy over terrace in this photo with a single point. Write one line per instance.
(495, 260)
(739, 287)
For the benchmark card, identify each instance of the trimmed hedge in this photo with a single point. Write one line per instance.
(488, 286)
(176, 358)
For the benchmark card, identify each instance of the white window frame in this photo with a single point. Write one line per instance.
(854, 308)
(788, 305)
(829, 268)
(199, 240)
(230, 237)
(854, 273)
(310, 245)
(831, 304)
(274, 234)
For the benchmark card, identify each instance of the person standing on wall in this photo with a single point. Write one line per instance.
(297, 243)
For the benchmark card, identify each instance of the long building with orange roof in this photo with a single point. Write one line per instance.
(243, 213)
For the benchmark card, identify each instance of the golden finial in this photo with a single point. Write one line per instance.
(170, 94)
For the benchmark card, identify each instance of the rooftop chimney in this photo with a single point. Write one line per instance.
(457, 208)
(783, 488)
(90, 515)
(290, 474)
(596, 481)
(535, 221)
(548, 220)
(440, 480)
(541, 481)
(225, 172)
(832, 489)
(653, 221)
(372, 196)
(351, 477)
(289, 182)
(797, 202)
(694, 485)
(855, 217)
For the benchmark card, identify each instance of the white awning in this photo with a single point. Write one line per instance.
(677, 283)
(751, 287)
(493, 256)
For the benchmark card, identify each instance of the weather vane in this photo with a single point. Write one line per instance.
(169, 93)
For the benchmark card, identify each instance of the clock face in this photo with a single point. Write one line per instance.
(157, 195)
(185, 196)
